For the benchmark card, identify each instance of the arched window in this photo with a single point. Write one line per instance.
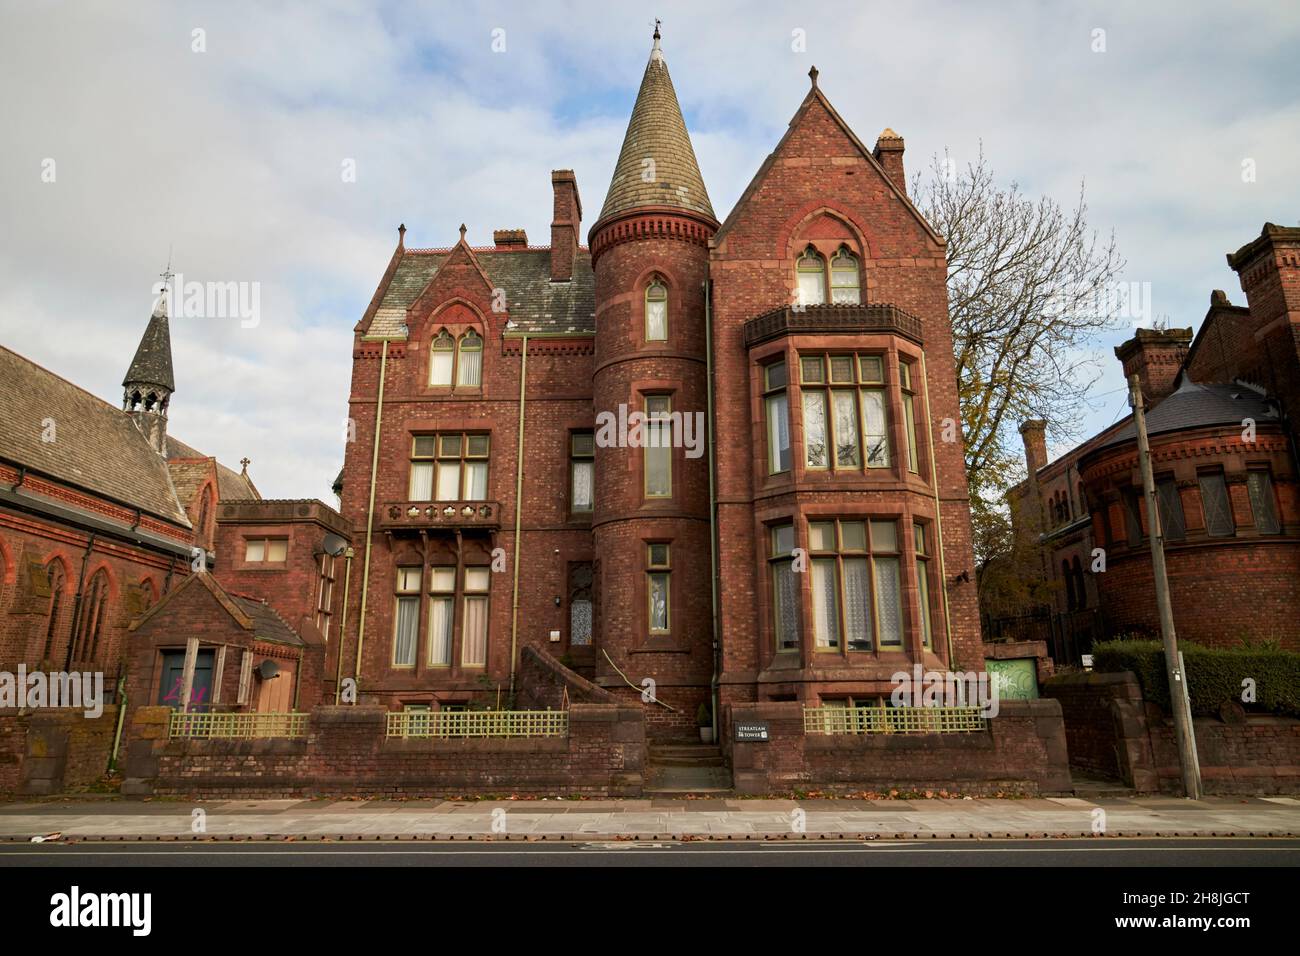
(811, 269)
(441, 359)
(94, 609)
(845, 281)
(1081, 588)
(1068, 578)
(148, 594)
(470, 366)
(656, 312)
(54, 575)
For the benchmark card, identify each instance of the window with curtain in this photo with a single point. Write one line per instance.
(406, 616)
(656, 312)
(906, 374)
(449, 467)
(271, 550)
(581, 609)
(1263, 503)
(844, 412)
(845, 278)
(474, 640)
(1218, 509)
(659, 588)
(442, 357)
(470, 360)
(811, 273)
(776, 406)
(442, 614)
(582, 471)
(785, 588)
(658, 447)
(856, 584)
(921, 533)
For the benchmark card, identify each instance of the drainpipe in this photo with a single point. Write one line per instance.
(370, 518)
(519, 513)
(343, 623)
(121, 718)
(714, 682)
(938, 514)
(76, 602)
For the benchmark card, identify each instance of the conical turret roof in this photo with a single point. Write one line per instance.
(656, 166)
(152, 364)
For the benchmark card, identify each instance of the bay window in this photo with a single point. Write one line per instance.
(776, 406)
(449, 467)
(856, 584)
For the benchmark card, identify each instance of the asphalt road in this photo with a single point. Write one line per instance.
(1233, 852)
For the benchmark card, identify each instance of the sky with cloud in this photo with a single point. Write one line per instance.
(233, 157)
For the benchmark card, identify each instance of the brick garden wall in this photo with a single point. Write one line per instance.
(1022, 751)
(53, 750)
(1112, 730)
(346, 752)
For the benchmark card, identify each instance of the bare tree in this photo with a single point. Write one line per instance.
(1030, 287)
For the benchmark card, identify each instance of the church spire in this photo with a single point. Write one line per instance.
(656, 166)
(148, 385)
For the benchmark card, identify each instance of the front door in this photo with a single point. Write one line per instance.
(173, 680)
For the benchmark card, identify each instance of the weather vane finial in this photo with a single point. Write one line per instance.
(657, 22)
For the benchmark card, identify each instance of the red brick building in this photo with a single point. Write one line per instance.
(1221, 413)
(804, 534)
(103, 516)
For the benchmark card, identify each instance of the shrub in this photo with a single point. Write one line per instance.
(1214, 674)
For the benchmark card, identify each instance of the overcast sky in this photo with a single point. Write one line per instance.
(234, 156)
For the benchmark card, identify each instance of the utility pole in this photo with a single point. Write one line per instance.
(1181, 704)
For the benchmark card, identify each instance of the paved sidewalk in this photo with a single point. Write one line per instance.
(113, 819)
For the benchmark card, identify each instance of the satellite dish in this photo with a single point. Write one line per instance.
(268, 669)
(334, 545)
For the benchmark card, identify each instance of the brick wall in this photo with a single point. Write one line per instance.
(1111, 730)
(48, 751)
(1022, 750)
(346, 752)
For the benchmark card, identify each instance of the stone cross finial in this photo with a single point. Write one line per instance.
(245, 462)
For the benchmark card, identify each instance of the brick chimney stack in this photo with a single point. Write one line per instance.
(1155, 356)
(510, 239)
(1034, 434)
(565, 224)
(889, 153)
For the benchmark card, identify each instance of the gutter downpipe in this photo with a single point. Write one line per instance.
(338, 664)
(370, 519)
(519, 514)
(938, 515)
(715, 681)
(76, 603)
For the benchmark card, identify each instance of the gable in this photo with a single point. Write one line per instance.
(820, 161)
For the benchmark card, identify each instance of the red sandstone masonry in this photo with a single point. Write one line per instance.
(1021, 751)
(48, 751)
(1112, 730)
(346, 752)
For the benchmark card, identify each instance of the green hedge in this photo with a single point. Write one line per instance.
(1214, 674)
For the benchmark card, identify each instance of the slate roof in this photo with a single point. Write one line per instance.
(188, 477)
(152, 364)
(96, 445)
(267, 624)
(1200, 406)
(231, 485)
(657, 132)
(534, 303)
